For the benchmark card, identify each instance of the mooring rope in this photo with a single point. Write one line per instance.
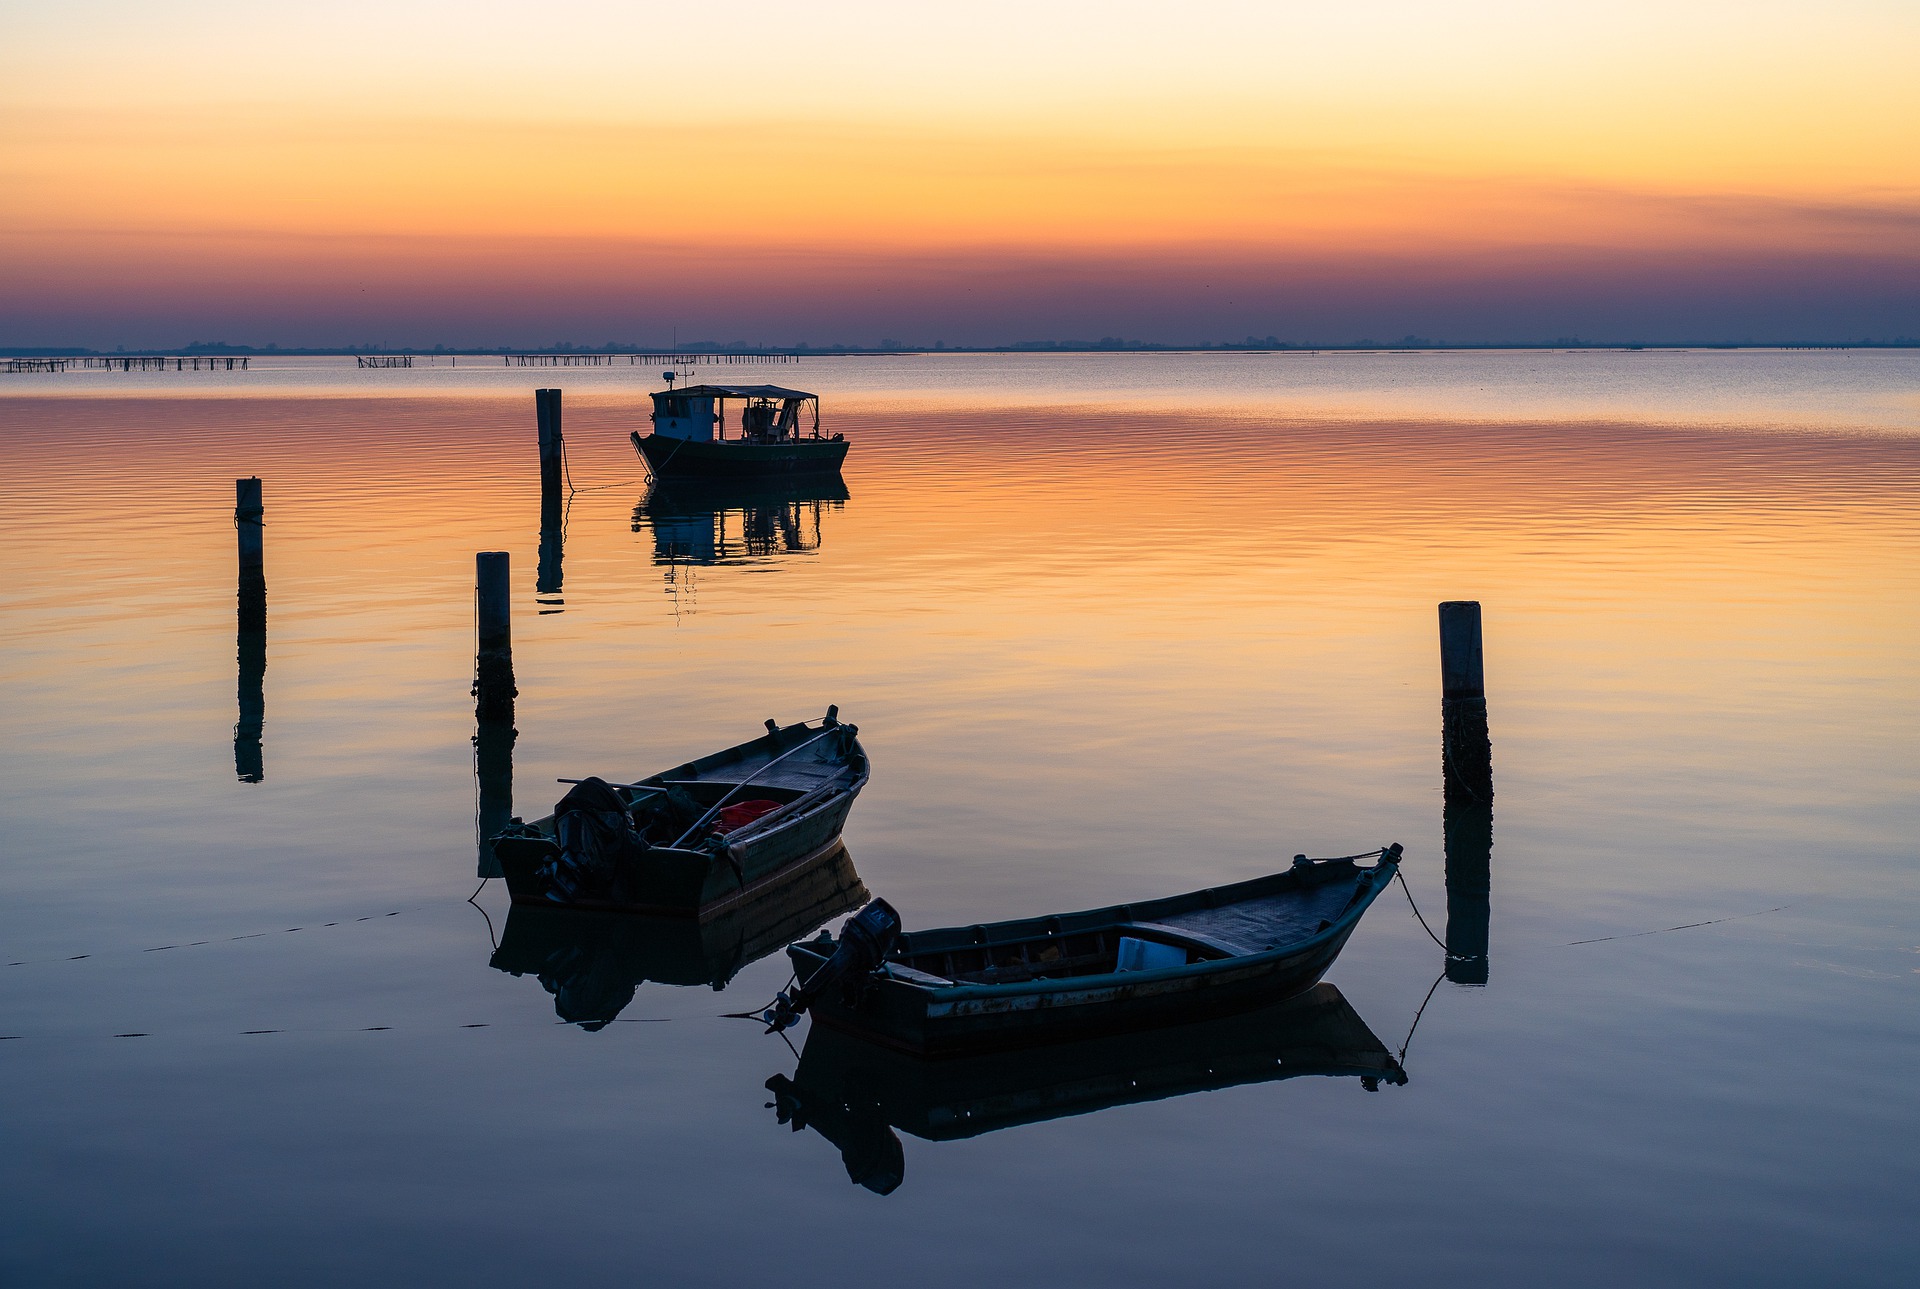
(1408, 1041)
(474, 900)
(1341, 859)
(1416, 912)
(618, 483)
(760, 1014)
(1688, 926)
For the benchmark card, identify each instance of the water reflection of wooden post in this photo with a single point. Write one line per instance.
(249, 523)
(1469, 841)
(1466, 752)
(493, 769)
(548, 576)
(249, 761)
(1466, 755)
(493, 665)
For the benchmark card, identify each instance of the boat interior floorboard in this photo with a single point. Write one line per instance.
(1263, 923)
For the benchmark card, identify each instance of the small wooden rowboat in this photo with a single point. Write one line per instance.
(713, 834)
(1003, 984)
(854, 1093)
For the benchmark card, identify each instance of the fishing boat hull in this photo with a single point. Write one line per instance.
(957, 990)
(706, 881)
(671, 458)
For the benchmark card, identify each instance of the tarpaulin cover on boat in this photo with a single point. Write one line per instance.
(597, 841)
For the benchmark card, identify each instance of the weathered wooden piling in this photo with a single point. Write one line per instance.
(493, 662)
(546, 406)
(1466, 751)
(1469, 853)
(249, 522)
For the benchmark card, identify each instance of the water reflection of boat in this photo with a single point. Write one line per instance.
(854, 1093)
(699, 839)
(689, 438)
(1039, 980)
(592, 962)
(717, 522)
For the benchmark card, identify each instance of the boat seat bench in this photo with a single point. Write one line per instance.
(1180, 937)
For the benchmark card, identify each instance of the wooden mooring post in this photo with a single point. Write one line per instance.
(249, 522)
(493, 685)
(546, 406)
(1466, 752)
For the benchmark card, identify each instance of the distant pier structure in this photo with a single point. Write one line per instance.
(155, 362)
(558, 360)
(610, 360)
(383, 360)
(138, 362)
(690, 360)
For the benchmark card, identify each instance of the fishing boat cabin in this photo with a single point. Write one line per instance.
(777, 433)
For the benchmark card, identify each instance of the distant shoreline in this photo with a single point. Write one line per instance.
(696, 353)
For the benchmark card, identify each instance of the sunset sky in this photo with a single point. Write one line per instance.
(476, 173)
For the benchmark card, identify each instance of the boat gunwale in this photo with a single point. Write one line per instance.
(854, 772)
(1368, 889)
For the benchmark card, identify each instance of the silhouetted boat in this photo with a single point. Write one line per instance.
(854, 1092)
(711, 834)
(689, 438)
(592, 962)
(1050, 978)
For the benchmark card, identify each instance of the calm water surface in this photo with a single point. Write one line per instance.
(1112, 627)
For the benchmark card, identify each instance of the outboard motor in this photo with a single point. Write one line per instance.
(864, 942)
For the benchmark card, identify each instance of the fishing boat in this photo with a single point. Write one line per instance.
(1045, 979)
(593, 962)
(699, 839)
(855, 1092)
(689, 438)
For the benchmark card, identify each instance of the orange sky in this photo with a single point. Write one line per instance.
(422, 173)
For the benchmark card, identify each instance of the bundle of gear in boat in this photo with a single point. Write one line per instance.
(602, 840)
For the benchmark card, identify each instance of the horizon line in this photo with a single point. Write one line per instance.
(712, 349)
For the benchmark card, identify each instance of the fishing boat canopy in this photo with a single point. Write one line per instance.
(770, 413)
